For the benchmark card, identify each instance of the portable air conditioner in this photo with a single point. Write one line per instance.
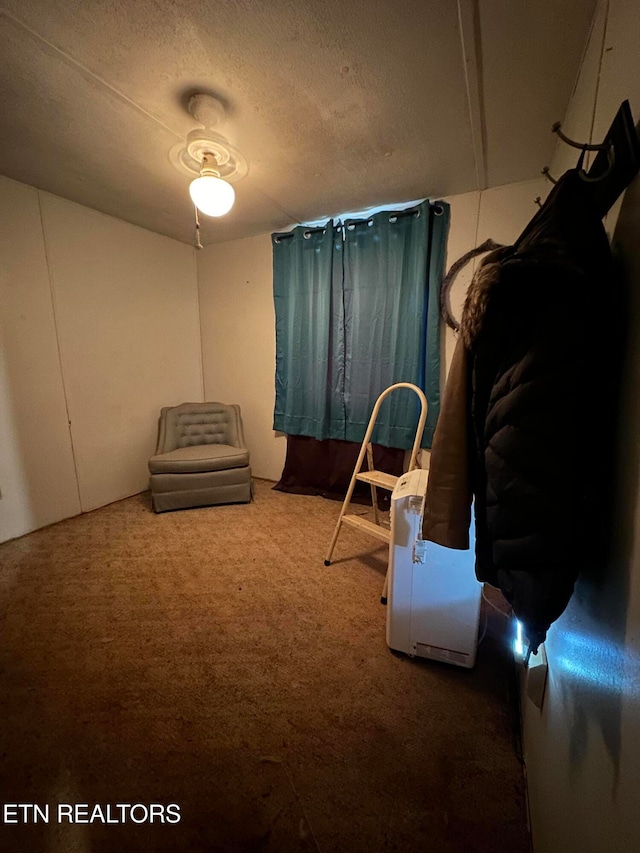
(433, 596)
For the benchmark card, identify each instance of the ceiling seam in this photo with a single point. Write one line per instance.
(86, 71)
(467, 24)
(275, 203)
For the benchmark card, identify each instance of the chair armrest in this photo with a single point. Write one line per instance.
(162, 432)
(239, 442)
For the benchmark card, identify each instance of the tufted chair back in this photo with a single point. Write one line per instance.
(192, 424)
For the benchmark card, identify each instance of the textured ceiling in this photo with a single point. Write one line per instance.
(335, 105)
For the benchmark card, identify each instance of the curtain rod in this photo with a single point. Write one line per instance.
(438, 210)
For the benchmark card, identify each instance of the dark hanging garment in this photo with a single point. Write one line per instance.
(539, 334)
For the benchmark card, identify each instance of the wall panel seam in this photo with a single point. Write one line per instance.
(58, 350)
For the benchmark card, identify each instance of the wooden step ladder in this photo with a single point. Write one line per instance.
(376, 479)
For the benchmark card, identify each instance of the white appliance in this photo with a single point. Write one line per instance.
(433, 596)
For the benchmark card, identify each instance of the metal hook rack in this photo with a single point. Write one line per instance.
(548, 175)
(616, 162)
(607, 146)
(583, 146)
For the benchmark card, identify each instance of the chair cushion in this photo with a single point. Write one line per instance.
(199, 458)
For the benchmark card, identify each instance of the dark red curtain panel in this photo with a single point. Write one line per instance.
(325, 468)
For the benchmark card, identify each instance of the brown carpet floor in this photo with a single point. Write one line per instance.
(208, 658)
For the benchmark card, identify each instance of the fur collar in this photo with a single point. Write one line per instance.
(547, 260)
(485, 279)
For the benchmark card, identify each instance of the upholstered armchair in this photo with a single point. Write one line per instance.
(200, 459)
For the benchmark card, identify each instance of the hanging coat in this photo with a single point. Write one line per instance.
(537, 373)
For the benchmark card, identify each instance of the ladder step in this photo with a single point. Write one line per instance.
(378, 478)
(373, 477)
(367, 526)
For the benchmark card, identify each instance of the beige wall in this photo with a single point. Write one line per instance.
(99, 325)
(127, 317)
(238, 341)
(100, 329)
(37, 476)
(583, 749)
(237, 314)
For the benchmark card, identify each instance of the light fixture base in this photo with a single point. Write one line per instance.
(207, 110)
(187, 157)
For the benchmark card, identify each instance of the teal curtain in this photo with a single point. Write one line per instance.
(357, 309)
(309, 333)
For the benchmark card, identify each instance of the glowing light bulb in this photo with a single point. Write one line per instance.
(211, 195)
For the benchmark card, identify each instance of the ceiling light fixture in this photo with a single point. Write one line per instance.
(211, 158)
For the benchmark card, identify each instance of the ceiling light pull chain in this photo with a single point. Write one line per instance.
(198, 243)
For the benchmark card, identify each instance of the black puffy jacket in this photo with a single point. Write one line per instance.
(539, 328)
